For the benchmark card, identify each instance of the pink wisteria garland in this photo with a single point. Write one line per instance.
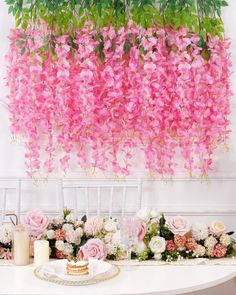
(161, 97)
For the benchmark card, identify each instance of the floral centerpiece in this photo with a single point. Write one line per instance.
(100, 237)
(105, 230)
(95, 237)
(176, 239)
(65, 235)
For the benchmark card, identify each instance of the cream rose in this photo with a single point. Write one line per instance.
(157, 245)
(217, 227)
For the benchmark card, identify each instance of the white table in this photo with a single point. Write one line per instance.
(165, 279)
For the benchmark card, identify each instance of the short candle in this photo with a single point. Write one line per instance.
(41, 252)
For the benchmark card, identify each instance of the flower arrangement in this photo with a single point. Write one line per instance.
(100, 238)
(175, 239)
(115, 77)
(92, 238)
(65, 235)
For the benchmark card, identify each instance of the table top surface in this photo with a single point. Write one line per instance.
(165, 279)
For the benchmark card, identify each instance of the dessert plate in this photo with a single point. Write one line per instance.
(57, 269)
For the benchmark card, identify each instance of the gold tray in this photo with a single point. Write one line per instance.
(111, 273)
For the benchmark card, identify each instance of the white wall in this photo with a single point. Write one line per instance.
(206, 201)
(215, 197)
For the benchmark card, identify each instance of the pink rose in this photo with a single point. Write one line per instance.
(94, 249)
(93, 226)
(179, 225)
(36, 222)
(142, 230)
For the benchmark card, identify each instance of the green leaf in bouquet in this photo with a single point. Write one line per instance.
(84, 218)
(166, 233)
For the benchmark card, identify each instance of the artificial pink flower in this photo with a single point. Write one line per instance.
(93, 226)
(179, 225)
(180, 242)
(142, 230)
(95, 249)
(131, 101)
(190, 244)
(59, 234)
(170, 246)
(36, 222)
(220, 250)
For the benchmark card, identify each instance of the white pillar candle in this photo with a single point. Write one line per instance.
(21, 246)
(41, 252)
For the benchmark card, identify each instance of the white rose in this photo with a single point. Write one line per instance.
(217, 227)
(67, 227)
(68, 249)
(144, 214)
(50, 234)
(6, 233)
(225, 240)
(157, 244)
(154, 213)
(70, 218)
(60, 245)
(200, 231)
(79, 231)
(110, 225)
(210, 242)
(140, 247)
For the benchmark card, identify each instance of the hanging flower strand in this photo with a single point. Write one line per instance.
(111, 93)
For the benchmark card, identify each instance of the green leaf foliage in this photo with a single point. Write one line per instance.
(199, 16)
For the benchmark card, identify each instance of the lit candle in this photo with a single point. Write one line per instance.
(21, 246)
(41, 252)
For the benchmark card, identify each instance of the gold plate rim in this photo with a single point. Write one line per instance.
(110, 274)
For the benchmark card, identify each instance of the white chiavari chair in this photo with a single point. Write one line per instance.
(69, 193)
(10, 188)
(108, 191)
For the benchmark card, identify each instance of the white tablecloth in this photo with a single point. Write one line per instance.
(139, 279)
